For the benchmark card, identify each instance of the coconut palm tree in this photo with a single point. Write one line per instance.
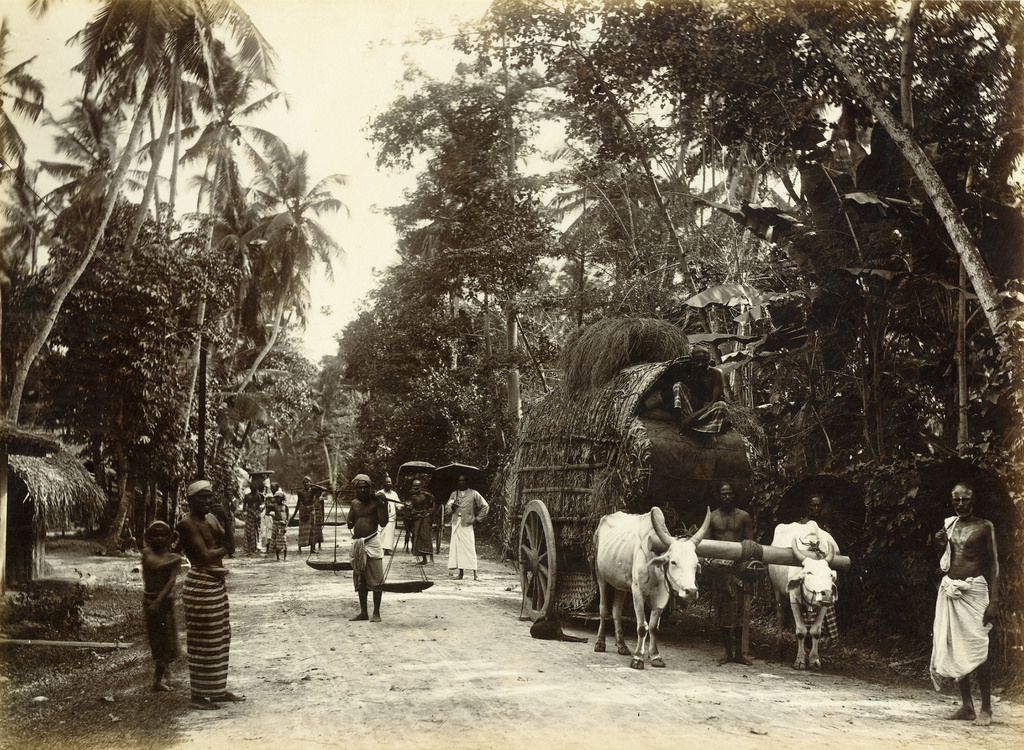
(130, 48)
(26, 219)
(292, 239)
(21, 94)
(87, 138)
(229, 102)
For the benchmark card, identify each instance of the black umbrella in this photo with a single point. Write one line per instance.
(447, 477)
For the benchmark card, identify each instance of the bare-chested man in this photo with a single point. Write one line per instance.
(967, 602)
(730, 524)
(367, 516)
(207, 623)
(698, 400)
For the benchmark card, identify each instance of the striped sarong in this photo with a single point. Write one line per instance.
(305, 526)
(208, 632)
(711, 422)
(316, 532)
(252, 531)
(278, 538)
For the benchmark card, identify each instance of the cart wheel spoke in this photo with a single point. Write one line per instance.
(538, 558)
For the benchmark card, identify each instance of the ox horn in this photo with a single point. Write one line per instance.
(831, 554)
(800, 556)
(703, 530)
(658, 522)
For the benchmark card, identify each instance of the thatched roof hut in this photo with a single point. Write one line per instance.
(63, 492)
(45, 493)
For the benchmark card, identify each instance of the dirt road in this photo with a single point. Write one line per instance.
(453, 666)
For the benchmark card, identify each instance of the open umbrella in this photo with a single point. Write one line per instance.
(446, 477)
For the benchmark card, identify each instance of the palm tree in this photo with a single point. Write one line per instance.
(20, 93)
(87, 138)
(26, 221)
(292, 239)
(229, 103)
(131, 48)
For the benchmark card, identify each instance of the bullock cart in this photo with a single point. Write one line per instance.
(582, 453)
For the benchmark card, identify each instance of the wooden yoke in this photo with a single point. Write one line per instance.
(772, 555)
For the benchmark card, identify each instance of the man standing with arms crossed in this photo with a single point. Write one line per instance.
(367, 516)
(967, 602)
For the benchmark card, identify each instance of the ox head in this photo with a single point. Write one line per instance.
(678, 558)
(816, 579)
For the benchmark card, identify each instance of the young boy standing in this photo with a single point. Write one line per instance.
(159, 573)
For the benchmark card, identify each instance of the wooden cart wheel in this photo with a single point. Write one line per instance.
(538, 559)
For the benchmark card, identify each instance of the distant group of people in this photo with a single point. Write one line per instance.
(267, 518)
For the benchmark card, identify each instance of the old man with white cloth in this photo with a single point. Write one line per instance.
(466, 506)
(967, 602)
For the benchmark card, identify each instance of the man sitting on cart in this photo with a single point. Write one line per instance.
(699, 399)
(367, 516)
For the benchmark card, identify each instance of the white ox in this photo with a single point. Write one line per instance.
(627, 558)
(810, 589)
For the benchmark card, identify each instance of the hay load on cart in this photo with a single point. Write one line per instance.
(597, 445)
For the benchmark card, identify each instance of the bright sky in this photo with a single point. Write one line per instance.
(339, 62)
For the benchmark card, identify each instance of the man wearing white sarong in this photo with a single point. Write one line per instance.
(967, 602)
(466, 506)
(387, 534)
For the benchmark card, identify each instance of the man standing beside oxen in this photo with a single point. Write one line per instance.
(729, 593)
(966, 604)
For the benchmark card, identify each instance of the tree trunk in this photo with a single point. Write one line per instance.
(278, 315)
(36, 345)
(907, 66)
(959, 234)
(157, 157)
(515, 400)
(113, 542)
(963, 434)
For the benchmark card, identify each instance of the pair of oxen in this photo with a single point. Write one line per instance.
(636, 554)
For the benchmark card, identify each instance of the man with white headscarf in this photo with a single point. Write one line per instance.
(207, 624)
(367, 516)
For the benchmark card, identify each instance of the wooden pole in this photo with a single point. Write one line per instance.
(772, 555)
(67, 644)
